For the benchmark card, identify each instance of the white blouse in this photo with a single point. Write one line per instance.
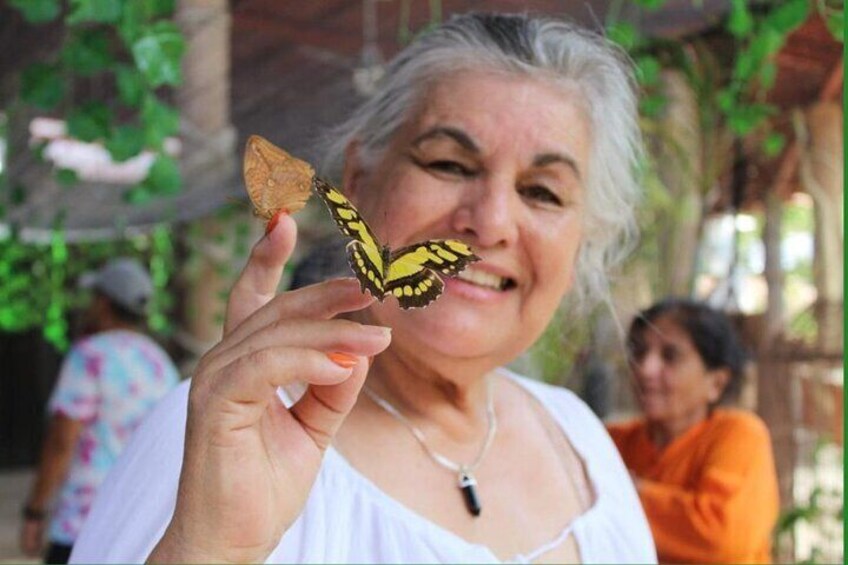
(347, 518)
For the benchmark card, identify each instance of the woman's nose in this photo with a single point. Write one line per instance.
(489, 213)
(649, 366)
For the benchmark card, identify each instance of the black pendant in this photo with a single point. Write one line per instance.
(468, 486)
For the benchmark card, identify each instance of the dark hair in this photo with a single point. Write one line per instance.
(123, 313)
(713, 335)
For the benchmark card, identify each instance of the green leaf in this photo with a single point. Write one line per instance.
(650, 5)
(745, 66)
(139, 194)
(766, 42)
(66, 177)
(131, 23)
(102, 11)
(742, 119)
(648, 70)
(740, 22)
(158, 53)
(131, 86)
(652, 105)
(164, 176)
(624, 34)
(42, 86)
(158, 8)
(785, 18)
(159, 121)
(726, 99)
(88, 52)
(37, 11)
(38, 151)
(751, 60)
(138, 13)
(125, 142)
(836, 25)
(90, 122)
(767, 74)
(773, 144)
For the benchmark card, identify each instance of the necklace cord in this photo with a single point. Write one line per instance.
(442, 460)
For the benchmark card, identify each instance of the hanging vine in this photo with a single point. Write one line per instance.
(135, 49)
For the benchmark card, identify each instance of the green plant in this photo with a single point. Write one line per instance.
(38, 281)
(730, 71)
(133, 46)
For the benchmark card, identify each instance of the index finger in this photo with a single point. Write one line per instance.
(259, 279)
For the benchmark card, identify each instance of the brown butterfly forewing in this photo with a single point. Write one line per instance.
(275, 180)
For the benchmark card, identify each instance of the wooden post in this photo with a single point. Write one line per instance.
(681, 168)
(208, 150)
(822, 175)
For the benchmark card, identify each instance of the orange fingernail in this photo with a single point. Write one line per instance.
(274, 220)
(345, 360)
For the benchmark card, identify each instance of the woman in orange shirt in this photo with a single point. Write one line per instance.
(705, 475)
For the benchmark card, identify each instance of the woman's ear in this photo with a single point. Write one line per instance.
(718, 381)
(353, 173)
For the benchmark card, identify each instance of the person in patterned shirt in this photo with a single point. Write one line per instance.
(108, 382)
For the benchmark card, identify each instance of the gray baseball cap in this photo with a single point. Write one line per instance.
(123, 280)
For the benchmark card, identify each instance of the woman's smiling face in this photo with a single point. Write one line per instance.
(499, 162)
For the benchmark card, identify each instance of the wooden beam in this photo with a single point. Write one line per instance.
(788, 169)
(833, 85)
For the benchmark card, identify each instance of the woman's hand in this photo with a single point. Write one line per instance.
(249, 462)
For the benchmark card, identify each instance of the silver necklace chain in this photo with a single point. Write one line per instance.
(445, 462)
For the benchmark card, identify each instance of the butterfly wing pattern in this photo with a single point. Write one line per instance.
(410, 274)
(364, 253)
(274, 179)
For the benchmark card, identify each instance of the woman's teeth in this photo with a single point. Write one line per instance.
(482, 278)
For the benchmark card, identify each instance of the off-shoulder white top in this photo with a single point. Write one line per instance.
(347, 518)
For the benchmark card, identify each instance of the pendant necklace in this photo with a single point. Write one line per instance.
(465, 473)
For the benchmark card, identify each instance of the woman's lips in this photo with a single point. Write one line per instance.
(471, 291)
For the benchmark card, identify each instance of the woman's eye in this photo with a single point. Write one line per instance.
(637, 352)
(541, 194)
(451, 167)
(669, 354)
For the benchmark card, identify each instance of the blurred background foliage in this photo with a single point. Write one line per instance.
(135, 45)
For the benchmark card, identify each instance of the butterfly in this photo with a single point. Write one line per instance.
(274, 179)
(412, 274)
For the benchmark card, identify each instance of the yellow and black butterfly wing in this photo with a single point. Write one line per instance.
(364, 253)
(413, 285)
(363, 267)
(413, 274)
(447, 256)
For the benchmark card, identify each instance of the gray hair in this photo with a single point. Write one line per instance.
(546, 49)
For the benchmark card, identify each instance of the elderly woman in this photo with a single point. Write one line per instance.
(517, 136)
(705, 475)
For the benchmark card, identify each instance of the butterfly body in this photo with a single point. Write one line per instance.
(410, 274)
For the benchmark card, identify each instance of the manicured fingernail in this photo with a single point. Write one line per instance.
(345, 360)
(378, 330)
(272, 223)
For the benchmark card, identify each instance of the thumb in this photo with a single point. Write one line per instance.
(322, 408)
